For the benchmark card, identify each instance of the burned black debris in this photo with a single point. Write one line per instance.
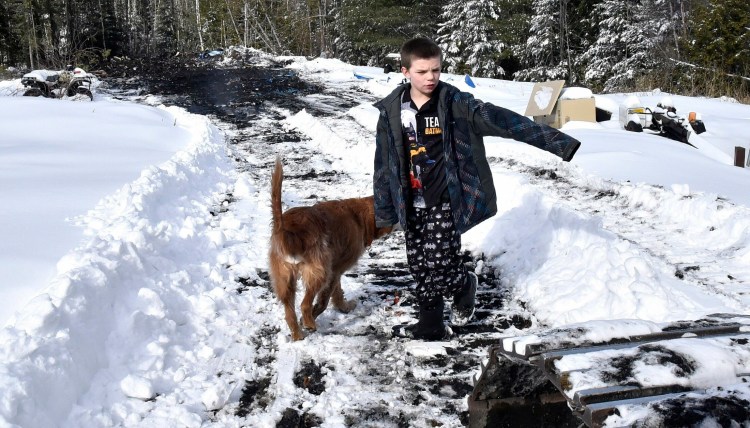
(597, 378)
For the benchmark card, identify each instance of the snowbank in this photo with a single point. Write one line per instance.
(122, 282)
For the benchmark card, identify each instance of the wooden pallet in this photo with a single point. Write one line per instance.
(600, 373)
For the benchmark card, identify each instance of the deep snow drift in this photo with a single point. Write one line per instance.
(59, 159)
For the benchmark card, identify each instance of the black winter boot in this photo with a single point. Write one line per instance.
(463, 301)
(429, 327)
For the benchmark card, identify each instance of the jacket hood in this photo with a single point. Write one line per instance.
(394, 96)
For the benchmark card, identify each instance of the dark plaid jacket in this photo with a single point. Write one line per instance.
(465, 121)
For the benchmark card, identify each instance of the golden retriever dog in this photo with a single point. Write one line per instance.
(316, 244)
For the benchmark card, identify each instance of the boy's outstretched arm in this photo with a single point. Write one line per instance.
(490, 120)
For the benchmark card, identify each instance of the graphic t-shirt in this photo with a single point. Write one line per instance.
(423, 138)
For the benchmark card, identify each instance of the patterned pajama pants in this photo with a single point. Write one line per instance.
(433, 251)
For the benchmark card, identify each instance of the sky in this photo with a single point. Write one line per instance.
(115, 278)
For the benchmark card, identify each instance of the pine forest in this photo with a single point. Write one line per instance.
(691, 47)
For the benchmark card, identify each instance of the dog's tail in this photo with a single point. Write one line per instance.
(276, 179)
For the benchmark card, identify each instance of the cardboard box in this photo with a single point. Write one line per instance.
(567, 110)
(546, 107)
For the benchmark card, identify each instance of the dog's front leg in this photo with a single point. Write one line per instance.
(322, 301)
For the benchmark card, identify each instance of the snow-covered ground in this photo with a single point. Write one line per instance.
(58, 160)
(127, 308)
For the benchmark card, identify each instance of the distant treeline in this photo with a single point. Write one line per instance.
(682, 46)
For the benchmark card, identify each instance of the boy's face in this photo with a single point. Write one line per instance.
(424, 74)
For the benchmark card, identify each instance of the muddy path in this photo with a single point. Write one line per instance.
(235, 95)
(407, 387)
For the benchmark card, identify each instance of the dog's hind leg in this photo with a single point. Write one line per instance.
(315, 279)
(337, 297)
(285, 285)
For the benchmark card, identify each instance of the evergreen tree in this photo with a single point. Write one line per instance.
(544, 55)
(512, 30)
(720, 37)
(649, 43)
(140, 17)
(370, 29)
(4, 33)
(582, 33)
(11, 32)
(468, 40)
(628, 42)
(608, 50)
(90, 26)
(113, 37)
(164, 43)
(42, 13)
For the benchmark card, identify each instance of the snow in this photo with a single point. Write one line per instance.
(42, 75)
(117, 279)
(137, 387)
(575, 93)
(543, 97)
(59, 159)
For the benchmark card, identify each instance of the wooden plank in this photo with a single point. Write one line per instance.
(526, 347)
(586, 384)
(513, 393)
(739, 156)
(595, 414)
(588, 397)
(593, 384)
(546, 361)
(533, 350)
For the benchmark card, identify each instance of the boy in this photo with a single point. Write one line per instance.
(432, 177)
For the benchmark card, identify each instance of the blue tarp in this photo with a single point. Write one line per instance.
(469, 82)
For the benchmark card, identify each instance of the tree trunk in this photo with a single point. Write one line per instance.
(674, 31)
(101, 21)
(564, 48)
(234, 24)
(33, 59)
(198, 22)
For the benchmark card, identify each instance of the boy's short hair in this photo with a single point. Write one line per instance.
(420, 48)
